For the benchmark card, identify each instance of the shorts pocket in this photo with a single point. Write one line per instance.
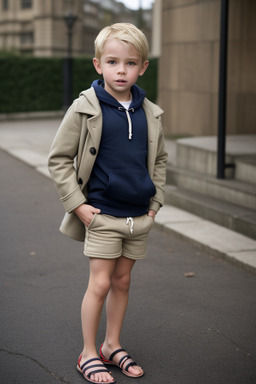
(151, 220)
(92, 223)
(145, 224)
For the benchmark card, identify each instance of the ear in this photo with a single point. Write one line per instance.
(144, 67)
(97, 66)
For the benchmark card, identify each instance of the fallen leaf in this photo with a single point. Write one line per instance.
(189, 274)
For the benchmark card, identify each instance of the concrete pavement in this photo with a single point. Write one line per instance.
(30, 140)
(182, 330)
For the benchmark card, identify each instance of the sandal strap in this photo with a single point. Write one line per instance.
(89, 361)
(115, 352)
(84, 368)
(123, 360)
(95, 366)
(131, 364)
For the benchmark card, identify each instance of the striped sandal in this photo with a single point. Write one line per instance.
(82, 369)
(124, 363)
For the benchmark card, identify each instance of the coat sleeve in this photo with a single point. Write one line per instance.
(63, 151)
(159, 174)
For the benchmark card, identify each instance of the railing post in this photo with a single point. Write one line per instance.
(222, 90)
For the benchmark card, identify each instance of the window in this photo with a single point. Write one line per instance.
(5, 5)
(26, 4)
(26, 38)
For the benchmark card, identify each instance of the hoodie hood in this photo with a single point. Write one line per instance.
(138, 96)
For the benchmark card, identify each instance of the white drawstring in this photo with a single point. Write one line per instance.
(129, 124)
(129, 119)
(129, 221)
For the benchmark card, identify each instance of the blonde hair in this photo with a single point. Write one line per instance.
(127, 34)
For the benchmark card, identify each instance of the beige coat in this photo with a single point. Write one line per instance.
(75, 148)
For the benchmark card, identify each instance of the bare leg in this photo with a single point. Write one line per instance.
(116, 306)
(99, 284)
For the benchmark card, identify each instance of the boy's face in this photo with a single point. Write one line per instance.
(120, 67)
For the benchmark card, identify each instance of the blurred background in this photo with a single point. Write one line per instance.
(184, 39)
(46, 49)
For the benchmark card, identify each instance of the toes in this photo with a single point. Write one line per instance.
(135, 370)
(101, 378)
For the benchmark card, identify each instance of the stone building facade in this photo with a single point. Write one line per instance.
(37, 27)
(189, 67)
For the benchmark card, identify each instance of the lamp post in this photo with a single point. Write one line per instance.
(70, 20)
(139, 15)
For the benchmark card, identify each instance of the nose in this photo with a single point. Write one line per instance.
(121, 68)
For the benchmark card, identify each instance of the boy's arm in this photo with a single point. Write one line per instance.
(159, 174)
(61, 160)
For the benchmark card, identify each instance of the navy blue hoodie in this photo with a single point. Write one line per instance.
(120, 184)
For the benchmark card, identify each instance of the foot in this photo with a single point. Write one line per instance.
(121, 359)
(94, 370)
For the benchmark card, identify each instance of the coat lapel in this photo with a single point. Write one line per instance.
(90, 106)
(91, 133)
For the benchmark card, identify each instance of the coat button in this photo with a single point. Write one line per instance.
(93, 151)
(80, 181)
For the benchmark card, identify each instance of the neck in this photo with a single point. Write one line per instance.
(128, 98)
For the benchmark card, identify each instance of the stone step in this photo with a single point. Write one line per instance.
(200, 160)
(245, 169)
(232, 191)
(200, 154)
(231, 216)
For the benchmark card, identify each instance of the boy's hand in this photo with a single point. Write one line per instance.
(85, 213)
(152, 213)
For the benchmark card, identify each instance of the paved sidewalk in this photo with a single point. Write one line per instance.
(181, 327)
(30, 141)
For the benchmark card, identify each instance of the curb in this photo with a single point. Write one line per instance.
(31, 115)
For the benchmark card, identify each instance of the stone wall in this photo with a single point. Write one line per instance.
(189, 67)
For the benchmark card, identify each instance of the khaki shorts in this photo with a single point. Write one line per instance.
(110, 237)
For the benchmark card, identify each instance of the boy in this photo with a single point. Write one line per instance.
(115, 189)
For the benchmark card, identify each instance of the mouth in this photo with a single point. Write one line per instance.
(120, 81)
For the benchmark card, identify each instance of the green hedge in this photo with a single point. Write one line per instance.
(149, 80)
(36, 84)
(28, 84)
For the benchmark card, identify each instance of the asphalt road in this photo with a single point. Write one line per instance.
(182, 330)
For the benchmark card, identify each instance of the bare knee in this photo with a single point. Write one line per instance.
(121, 282)
(99, 286)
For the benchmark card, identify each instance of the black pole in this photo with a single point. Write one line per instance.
(67, 63)
(67, 82)
(140, 16)
(222, 90)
